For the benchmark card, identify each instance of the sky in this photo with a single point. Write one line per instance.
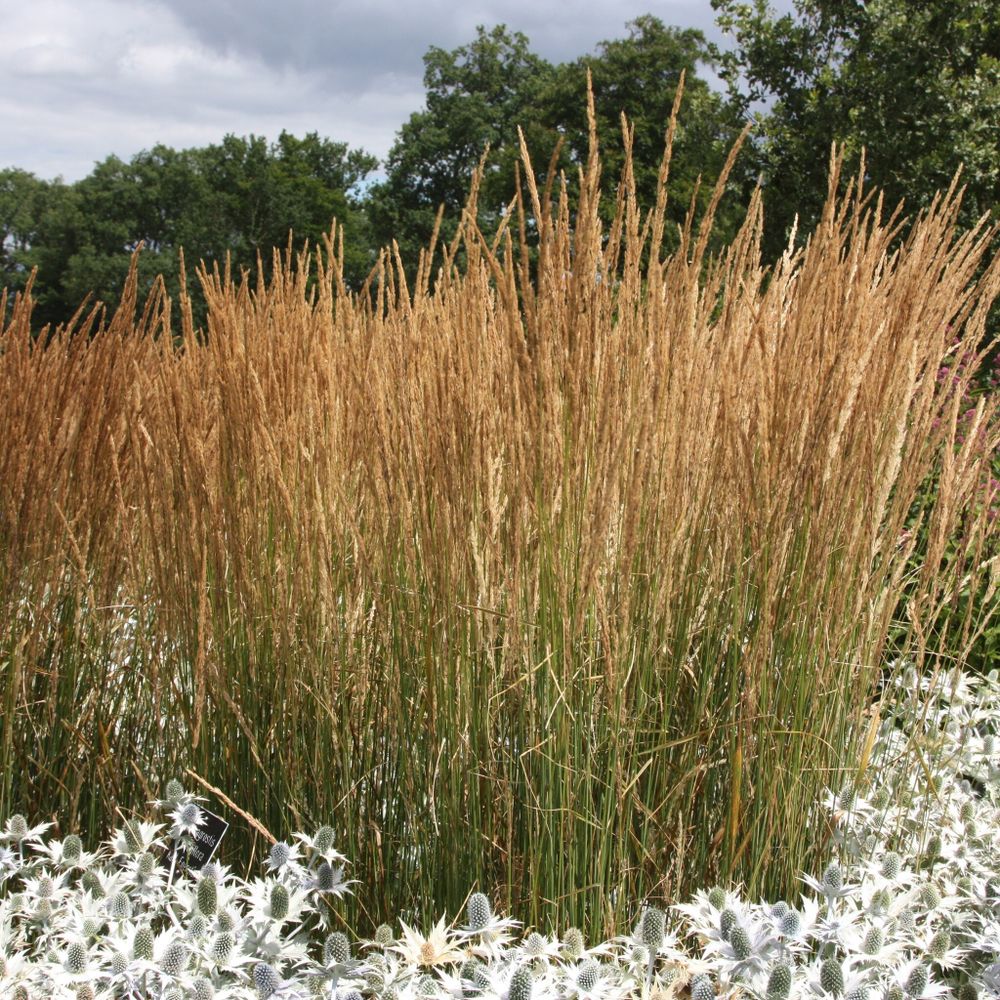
(87, 78)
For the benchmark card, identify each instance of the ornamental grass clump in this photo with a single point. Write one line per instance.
(569, 568)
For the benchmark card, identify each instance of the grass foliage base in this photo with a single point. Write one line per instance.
(909, 911)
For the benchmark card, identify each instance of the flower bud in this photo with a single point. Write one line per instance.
(573, 944)
(521, 984)
(740, 941)
(939, 945)
(323, 841)
(132, 836)
(652, 928)
(588, 975)
(280, 855)
(265, 979)
(874, 940)
(337, 948)
(203, 989)
(175, 959)
(478, 911)
(833, 879)
(208, 896)
(76, 958)
(779, 982)
(326, 877)
(702, 988)
(831, 977)
(916, 981)
(222, 947)
(891, 866)
(279, 901)
(142, 943)
(72, 849)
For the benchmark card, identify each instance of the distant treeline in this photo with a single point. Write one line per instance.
(916, 86)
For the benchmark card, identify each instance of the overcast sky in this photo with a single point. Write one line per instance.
(86, 78)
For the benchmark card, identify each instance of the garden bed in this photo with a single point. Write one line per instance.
(909, 909)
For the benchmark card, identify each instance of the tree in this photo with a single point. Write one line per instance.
(638, 75)
(318, 180)
(21, 198)
(241, 196)
(480, 93)
(37, 220)
(477, 96)
(916, 85)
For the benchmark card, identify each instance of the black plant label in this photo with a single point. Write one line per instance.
(206, 839)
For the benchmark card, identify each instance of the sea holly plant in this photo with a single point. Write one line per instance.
(908, 909)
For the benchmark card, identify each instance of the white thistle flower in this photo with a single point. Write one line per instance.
(17, 832)
(140, 837)
(442, 946)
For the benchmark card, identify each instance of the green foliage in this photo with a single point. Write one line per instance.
(22, 196)
(38, 220)
(479, 94)
(262, 191)
(916, 85)
(638, 76)
(241, 197)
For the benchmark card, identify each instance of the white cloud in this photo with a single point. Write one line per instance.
(87, 78)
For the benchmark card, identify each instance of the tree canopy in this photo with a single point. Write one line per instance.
(477, 96)
(241, 197)
(917, 85)
(480, 94)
